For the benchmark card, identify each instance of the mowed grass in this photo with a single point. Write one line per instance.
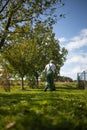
(34, 109)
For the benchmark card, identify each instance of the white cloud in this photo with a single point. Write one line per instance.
(75, 44)
(72, 72)
(77, 59)
(84, 32)
(77, 55)
(62, 39)
(74, 65)
(78, 41)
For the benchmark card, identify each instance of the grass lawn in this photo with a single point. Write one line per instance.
(34, 109)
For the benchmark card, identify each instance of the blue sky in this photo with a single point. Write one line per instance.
(71, 31)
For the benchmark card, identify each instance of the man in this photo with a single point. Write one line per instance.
(50, 69)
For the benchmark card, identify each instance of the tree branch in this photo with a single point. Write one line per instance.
(4, 6)
(6, 29)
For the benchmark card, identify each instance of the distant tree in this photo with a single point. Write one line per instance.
(64, 79)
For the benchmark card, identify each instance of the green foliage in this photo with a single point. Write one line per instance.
(27, 40)
(20, 57)
(65, 108)
(30, 52)
(64, 79)
(21, 12)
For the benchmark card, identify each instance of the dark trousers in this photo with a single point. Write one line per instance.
(50, 81)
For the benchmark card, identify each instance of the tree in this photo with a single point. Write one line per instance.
(64, 79)
(14, 13)
(29, 54)
(20, 57)
(47, 48)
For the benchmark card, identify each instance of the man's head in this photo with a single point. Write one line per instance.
(51, 61)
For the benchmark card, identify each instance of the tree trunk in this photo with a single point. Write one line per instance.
(22, 83)
(37, 82)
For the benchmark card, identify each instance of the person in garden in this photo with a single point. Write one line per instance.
(50, 70)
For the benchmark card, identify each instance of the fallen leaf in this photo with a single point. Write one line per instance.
(10, 125)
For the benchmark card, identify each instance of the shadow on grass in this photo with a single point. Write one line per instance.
(36, 111)
(20, 108)
(67, 88)
(29, 114)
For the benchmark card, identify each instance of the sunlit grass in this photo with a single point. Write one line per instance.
(34, 109)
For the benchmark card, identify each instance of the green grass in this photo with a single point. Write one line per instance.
(34, 109)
